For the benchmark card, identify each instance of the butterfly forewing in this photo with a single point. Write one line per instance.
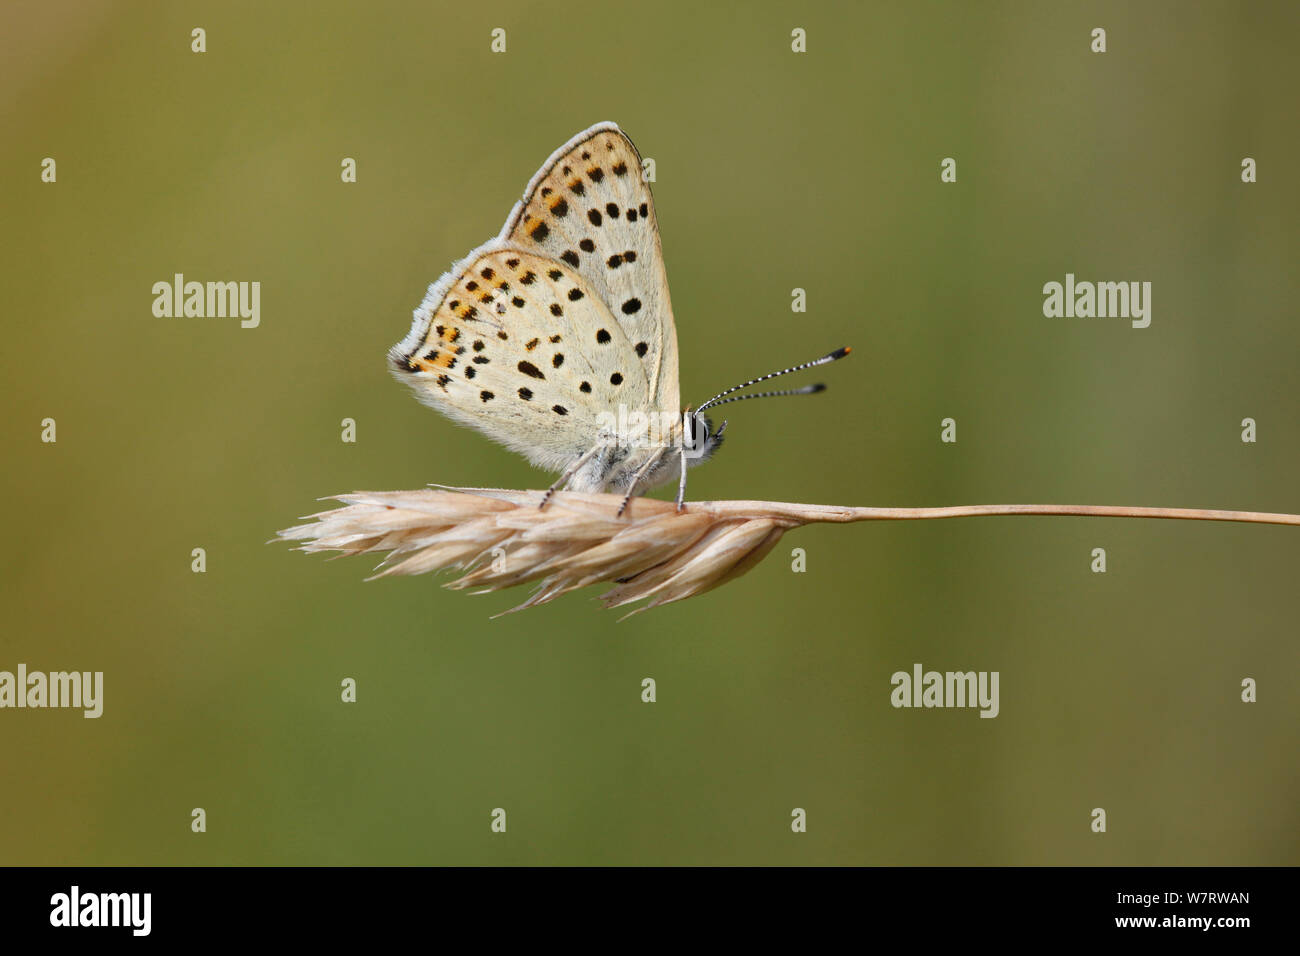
(590, 208)
(522, 348)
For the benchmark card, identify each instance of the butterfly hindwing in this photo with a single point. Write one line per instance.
(590, 208)
(522, 348)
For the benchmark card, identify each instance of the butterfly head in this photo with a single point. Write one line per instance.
(699, 438)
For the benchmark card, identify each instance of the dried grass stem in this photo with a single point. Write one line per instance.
(652, 552)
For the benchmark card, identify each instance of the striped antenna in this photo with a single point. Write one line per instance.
(824, 360)
(806, 390)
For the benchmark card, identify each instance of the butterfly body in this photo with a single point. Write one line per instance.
(551, 336)
(556, 338)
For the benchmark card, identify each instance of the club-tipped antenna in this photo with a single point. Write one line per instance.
(806, 390)
(824, 360)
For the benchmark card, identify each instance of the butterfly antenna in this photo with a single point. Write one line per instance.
(824, 360)
(806, 390)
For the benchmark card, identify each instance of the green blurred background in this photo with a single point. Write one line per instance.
(775, 171)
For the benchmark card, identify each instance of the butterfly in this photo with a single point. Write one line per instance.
(557, 339)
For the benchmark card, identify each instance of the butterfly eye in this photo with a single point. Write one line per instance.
(697, 435)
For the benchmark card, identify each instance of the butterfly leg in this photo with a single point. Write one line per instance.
(681, 485)
(636, 480)
(570, 472)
